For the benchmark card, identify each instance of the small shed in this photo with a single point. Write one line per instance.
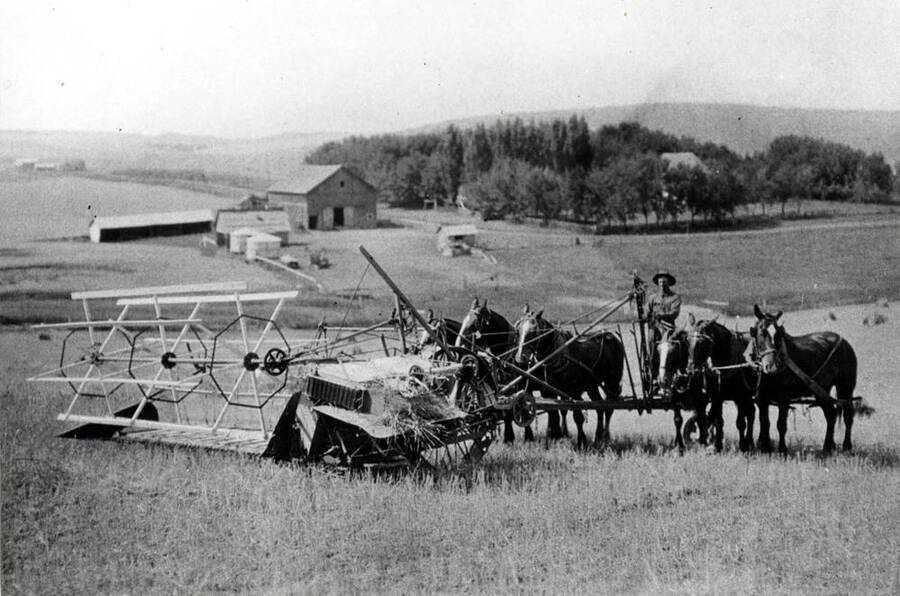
(270, 221)
(147, 225)
(237, 239)
(456, 240)
(26, 163)
(263, 245)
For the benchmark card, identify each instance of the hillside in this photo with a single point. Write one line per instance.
(265, 158)
(743, 128)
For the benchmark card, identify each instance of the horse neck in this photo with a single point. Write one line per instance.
(500, 333)
(450, 326)
(722, 341)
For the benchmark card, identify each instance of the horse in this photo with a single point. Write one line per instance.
(485, 329)
(446, 329)
(824, 358)
(676, 385)
(597, 360)
(710, 341)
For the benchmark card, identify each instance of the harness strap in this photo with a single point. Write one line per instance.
(810, 382)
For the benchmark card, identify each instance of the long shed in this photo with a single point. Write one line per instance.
(326, 198)
(145, 225)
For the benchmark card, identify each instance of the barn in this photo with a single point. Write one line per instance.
(145, 225)
(269, 221)
(326, 198)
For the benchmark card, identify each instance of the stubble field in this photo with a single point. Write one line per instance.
(636, 517)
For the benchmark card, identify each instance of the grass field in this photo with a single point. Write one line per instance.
(637, 518)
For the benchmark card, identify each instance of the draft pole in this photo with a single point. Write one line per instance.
(402, 298)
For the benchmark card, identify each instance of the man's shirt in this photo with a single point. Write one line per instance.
(664, 307)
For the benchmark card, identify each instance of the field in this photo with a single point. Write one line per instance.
(100, 517)
(635, 518)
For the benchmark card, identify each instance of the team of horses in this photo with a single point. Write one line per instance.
(696, 368)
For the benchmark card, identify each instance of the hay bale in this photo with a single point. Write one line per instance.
(875, 318)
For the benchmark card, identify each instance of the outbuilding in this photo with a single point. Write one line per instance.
(326, 198)
(456, 240)
(145, 225)
(237, 239)
(263, 245)
(270, 221)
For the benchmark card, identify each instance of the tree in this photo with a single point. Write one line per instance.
(452, 163)
(407, 182)
(541, 191)
(479, 157)
(596, 193)
(497, 193)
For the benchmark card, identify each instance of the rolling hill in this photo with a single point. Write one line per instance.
(743, 128)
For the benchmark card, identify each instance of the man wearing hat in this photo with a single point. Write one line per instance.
(665, 305)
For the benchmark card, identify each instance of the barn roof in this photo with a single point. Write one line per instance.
(143, 220)
(687, 159)
(306, 179)
(271, 220)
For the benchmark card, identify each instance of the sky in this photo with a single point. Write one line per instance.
(252, 68)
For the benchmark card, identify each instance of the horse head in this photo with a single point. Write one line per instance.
(768, 339)
(699, 343)
(473, 324)
(530, 329)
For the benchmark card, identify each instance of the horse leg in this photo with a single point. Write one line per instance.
(563, 427)
(783, 410)
(830, 418)
(741, 423)
(702, 423)
(578, 417)
(845, 392)
(508, 435)
(601, 434)
(679, 421)
(764, 442)
(529, 434)
(553, 431)
(718, 420)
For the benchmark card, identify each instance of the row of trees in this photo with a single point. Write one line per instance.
(563, 170)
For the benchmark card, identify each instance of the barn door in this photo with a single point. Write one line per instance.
(339, 217)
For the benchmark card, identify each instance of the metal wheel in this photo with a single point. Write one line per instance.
(523, 409)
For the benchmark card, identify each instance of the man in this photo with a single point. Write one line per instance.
(664, 306)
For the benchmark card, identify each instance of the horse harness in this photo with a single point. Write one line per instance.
(810, 381)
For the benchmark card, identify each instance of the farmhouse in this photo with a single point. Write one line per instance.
(326, 198)
(146, 225)
(687, 159)
(270, 221)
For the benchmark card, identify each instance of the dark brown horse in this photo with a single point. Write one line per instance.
(683, 390)
(488, 330)
(446, 329)
(711, 345)
(825, 358)
(585, 365)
